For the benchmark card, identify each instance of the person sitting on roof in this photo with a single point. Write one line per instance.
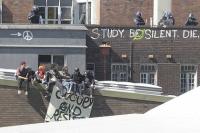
(21, 76)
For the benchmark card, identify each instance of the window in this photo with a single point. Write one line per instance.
(188, 77)
(82, 13)
(119, 72)
(51, 59)
(55, 11)
(148, 74)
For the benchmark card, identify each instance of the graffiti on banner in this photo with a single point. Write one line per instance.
(72, 106)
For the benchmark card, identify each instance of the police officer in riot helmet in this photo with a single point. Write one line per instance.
(167, 20)
(33, 16)
(138, 20)
(191, 21)
(76, 76)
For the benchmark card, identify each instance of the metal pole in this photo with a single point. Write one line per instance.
(104, 58)
(87, 12)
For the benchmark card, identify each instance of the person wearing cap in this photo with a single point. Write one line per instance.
(21, 75)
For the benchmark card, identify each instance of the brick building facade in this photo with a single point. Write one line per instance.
(112, 12)
(182, 8)
(118, 15)
(16, 11)
(167, 57)
(121, 12)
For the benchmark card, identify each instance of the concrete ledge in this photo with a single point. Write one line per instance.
(132, 95)
(44, 26)
(105, 92)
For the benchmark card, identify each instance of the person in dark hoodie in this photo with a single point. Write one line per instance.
(77, 79)
(139, 21)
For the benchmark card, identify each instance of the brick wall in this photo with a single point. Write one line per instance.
(183, 51)
(182, 8)
(169, 76)
(20, 109)
(107, 106)
(16, 11)
(121, 12)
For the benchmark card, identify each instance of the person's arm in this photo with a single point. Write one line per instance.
(22, 77)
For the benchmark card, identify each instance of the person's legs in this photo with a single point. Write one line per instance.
(19, 81)
(27, 87)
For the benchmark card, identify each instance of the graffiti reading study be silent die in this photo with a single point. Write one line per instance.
(145, 34)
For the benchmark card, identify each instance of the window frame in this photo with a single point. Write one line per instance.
(52, 58)
(89, 12)
(187, 74)
(119, 73)
(148, 73)
(59, 20)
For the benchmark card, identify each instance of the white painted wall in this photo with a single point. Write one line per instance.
(160, 6)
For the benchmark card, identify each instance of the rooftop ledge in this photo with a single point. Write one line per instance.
(44, 26)
(110, 93)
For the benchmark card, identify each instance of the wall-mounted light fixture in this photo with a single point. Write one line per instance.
(151, 56)
(169, 56)
(123, 55)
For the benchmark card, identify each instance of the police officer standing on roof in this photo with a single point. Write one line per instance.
(139, 21)
(34, 17)
(167, 20)
(191, 21)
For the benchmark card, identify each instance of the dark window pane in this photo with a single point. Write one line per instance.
(58, 59)
(44, 59)
(66, 2)
(66, 22)
(52, 2)
(52, 22)
(52, 13)
(40, 2)
(66, 13)
(90, 67)
(42, 12)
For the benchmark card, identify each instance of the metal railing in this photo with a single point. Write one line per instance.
(7, 74)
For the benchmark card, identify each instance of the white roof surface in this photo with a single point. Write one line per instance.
(180, 115)
(186, 105)
(129, 87)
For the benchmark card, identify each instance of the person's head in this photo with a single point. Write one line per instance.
(35, 8)
(76, 69)
(41, 68)
(191, 15)
(23, 64)
(30, 71)
(139, 14)
(65, 68)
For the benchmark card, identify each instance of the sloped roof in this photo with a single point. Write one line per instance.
(186, 105)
